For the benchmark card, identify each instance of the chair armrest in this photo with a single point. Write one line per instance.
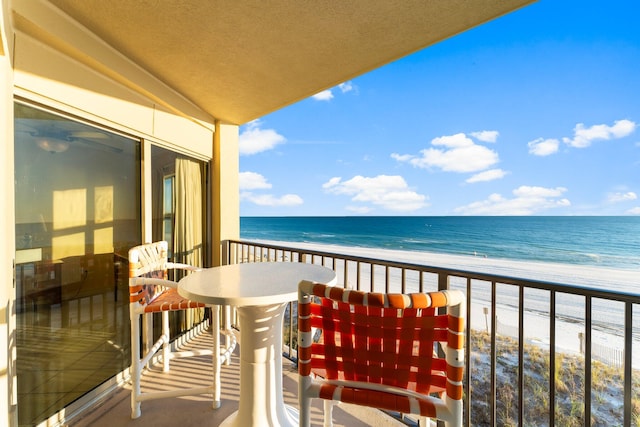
(181, 266)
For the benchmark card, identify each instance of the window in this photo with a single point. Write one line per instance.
(168, 210)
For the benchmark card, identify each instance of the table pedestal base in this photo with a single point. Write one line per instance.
(261, 400)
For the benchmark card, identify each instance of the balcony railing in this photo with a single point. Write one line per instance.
(538, 353)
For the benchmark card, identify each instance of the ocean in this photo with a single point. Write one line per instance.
(612, 242)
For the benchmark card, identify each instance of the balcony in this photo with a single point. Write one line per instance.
(531, 346)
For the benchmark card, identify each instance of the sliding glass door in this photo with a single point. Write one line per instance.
(77, 214)
(78, 211)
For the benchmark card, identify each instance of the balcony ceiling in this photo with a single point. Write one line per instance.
(240, 60)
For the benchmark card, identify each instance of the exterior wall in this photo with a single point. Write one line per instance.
(59, 64)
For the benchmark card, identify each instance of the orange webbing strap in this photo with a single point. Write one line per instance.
(454, 391)
(134, 266)
(138, 293)
(170, 300)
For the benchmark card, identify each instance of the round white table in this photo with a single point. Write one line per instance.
(260, 292)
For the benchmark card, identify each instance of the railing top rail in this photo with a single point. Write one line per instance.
(515, 281)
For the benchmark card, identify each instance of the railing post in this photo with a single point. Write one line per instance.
(628, 369)
(443, 281)
(226, 252)
(552, 358)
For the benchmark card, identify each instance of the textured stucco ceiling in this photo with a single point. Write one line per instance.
(240, 60)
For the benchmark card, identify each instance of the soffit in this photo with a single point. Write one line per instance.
(240, 60)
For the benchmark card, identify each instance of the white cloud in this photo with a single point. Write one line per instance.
(333, 182)
(401, 157)
(583, 137)
(621, 197)
(387, 192)
(346, 87)
(459, 140)
(254, 140)
(486, 135)
(527, 200)
(270, 200)
(485, 176)
(634, 211)
(252, 181)
(538, 192)
(325, 95)
(255, 181)
(543, 147)
(459, 154)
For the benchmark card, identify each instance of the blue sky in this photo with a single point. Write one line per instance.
(535, 113)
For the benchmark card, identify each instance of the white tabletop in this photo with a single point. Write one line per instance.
(249, 284)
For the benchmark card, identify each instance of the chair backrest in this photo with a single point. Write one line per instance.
(148, 261)
(383, 339)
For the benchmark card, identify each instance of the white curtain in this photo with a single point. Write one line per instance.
(188, 213)
(187, 235)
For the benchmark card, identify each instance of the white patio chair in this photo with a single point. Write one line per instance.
(151, 292)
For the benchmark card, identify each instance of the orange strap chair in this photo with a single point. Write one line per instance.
(151, 292)
(377, 350)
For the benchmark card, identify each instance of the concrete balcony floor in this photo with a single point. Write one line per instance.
(197, 410)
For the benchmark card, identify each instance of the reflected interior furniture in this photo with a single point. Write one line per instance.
(260, 292)
(152, 292)
(378, 350)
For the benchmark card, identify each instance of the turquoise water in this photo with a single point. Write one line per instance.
(612, 242)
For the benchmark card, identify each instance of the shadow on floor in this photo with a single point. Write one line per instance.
(198, 411)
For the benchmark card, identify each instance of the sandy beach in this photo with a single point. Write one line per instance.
(607, 316)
